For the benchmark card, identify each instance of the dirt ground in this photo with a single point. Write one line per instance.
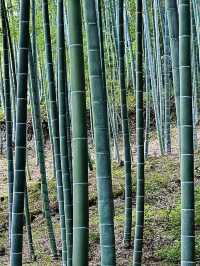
(162, 209)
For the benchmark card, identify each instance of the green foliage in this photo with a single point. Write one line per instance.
(170, 254)
(1, 115)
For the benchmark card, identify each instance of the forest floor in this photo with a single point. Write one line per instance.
(162, 210)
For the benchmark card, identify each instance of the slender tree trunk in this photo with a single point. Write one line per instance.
(55, 126)
(41, 156)
(173, 23)
(168, 84)
(138, 239)
(186, 129)
(20, 148)
(62, 84)
(79, 135)
(101, 132)
(125, 127)
(28, 225)
(8, 114)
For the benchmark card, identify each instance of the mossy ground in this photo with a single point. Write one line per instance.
(162, 212)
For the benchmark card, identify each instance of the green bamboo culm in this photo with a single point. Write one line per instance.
(34, 91)
(173, 24)
(148, 105)
(50, 132)
(79, 135)
(55, 126)
(167, 84)
(125, 126)
(20, 148)
(139, 224)
(158, 68)
(186, 138)
(33, 39)
(2, 89)
(12, 64)
(34, 54)
(8, 114)
(62, 84)
(101, 133)
(152, 71)
(28, 225)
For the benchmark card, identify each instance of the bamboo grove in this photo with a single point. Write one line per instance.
(106, 77)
